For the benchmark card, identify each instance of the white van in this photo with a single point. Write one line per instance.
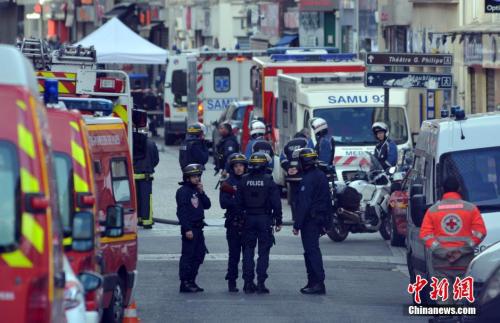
(468, 149)
(175, 95)
(349, 108)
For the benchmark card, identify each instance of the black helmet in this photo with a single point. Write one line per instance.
(192, 170)
(237, 158)
(194, 130)
(258, 161)
(307, 157)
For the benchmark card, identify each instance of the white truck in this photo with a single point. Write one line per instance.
(349, 108)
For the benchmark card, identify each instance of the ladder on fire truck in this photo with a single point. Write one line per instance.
(37, 50)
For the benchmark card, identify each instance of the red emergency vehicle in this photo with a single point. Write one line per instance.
(264, 80)
(31, 254)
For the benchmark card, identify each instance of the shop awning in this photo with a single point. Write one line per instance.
(286, 40)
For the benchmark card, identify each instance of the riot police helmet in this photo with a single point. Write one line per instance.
(319, 126)
(258, 162)
(307, 157)
(192, 170)
(237, 158)
(257, 128)
(380, 126)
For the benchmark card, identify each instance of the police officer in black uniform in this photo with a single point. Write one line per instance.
(226, 146)
(314, 207)
(144, 168)
(290, 165)
(258, 198)
(193, 149)
(191, 203)
(234, 224)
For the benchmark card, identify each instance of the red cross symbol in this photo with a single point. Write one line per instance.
(451, 224)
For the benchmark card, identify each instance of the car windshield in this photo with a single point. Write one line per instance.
(477, 171)
(63, 170)
(353, 126)
(9, 177)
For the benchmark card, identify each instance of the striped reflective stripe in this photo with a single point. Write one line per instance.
(121, 112)
(29, 183)
(25, 139)
(478, 234)
(452, 239)
(67, 241)
(16, 259)
(78, 153)
(33, 232)
(74, 125)
(434, 245)
(21, 104)
(428, 237)
(81, 185)
(67, 81)
(139, 176)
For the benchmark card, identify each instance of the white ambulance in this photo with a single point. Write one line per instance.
(349, 108)
(175, 95)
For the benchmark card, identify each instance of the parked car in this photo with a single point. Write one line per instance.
(235, 115)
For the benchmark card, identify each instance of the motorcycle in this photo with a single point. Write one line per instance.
(361, 205)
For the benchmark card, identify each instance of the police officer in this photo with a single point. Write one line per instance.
(325, 144)
(191, 203)
(226, 146)
(386, 150)
(290, 165)
(193, 149)
(313, 211)
(258, 143)
(450, 230)
(145, 161)
(258, 198)
(234, 224)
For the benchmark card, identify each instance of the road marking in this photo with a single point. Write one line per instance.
(223, 257)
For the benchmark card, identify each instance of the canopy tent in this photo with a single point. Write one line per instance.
(116, 43)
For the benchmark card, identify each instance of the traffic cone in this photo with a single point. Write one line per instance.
(130, 313)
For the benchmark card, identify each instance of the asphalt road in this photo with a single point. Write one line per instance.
(366, 279)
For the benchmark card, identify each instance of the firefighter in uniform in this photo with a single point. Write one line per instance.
(193, 150)
(386, 150)
(258, 199)
(234, 224)
(450, 230)
(191, 203)
(290, 165)
(226, 146)
(258, 143)
(313, 210)
(145, 160)
(325, 144)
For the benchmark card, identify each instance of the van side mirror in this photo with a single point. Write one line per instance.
(416, 189)
(83, 231)
(91, 281)
(114, 221)
(418, 209)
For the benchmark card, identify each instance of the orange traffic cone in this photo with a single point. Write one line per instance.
(130, 314)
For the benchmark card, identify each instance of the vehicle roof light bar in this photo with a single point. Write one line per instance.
(284, 50)
(89, 105)
(313, 57)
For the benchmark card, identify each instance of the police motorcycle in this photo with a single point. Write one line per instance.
(361, 205)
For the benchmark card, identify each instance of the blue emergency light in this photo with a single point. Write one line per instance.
(283, 50)
(445, 113)
(89, 105)
(313, 57)
(51, 94)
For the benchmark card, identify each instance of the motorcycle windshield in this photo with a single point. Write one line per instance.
(368, 163)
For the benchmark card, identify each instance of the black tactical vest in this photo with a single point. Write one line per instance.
(256, 193)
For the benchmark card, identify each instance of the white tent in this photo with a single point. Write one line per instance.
(116, 43)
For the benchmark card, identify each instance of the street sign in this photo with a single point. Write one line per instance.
(408, 80)
(403, 59)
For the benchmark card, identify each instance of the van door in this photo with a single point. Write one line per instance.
(221, 86)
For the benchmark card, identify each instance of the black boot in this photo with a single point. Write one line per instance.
(308, 285)
(231, 286)
(318, 289)
(262, 289)
(186, 287)
(198, 288)
(249, 287)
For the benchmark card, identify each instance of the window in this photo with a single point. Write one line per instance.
(64, 182)
(292, 113)
(222, 79)
(10, 224)
(353, 126)
(119, 178)
(306, 119)
(284, 114)
(477, 172)
(179, 86)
